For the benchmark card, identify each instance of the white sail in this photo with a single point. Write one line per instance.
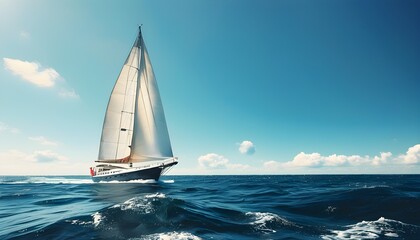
(135, 128)
(118, 124)
(151, 139)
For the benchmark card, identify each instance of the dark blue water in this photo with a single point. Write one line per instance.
(212, 207)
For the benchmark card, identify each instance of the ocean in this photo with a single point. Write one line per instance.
(212, 207)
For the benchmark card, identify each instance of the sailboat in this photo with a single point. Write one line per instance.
(135, 141)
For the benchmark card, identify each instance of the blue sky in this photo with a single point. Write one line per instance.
(262, 87)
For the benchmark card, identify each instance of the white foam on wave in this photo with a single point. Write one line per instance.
(142, 204)
(171, 236)
(168, 181)
(70, 180)
(136, 203)
(51, 180)
(156, 195)
(97, 218)
(261, 219)
(368, 230)
(375, 186)
(79, 222)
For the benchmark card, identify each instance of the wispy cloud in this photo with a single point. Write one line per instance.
(64, 93)
(247, 147)
(41, 162)
(215, 161)
(24, 35)
(40, 156)
(34, 73)
(6, 128)
(43, 141)
(44, 156)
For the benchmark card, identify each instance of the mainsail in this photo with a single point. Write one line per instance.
(135, 128)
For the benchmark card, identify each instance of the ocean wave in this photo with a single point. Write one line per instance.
(156, 195)
(136, 203)
(371, 230)
(140, 203)
(169, 236)
(79, 222)
(266, 221)
(201, 207)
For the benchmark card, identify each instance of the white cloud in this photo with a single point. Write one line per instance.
(272, 165)
(212, 160)
(6, 128)
(215, 161)
(247, 147)
(381, 159)
(41, 156)
(306, 160)
(47, 156)
(317, 160)
(45, 162)
(64, 93)
(412, 156)
(31, 72)
(43, 141)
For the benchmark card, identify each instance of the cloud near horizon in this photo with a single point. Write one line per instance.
(39, 156)
(247, 147)
(215, 161)
(316, 160)
(42, 162)
(33, 73)
(412, 155)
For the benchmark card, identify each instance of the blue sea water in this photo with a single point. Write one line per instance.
(212, 207)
